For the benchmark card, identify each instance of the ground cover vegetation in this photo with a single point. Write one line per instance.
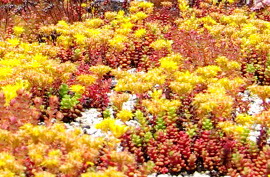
(194, 63)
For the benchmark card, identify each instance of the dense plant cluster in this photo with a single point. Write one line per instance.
(190, 65)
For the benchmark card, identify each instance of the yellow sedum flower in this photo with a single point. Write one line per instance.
(168, 65)
(181, 88)
(262, 91)
(18, 30)
(55, 153)
(208, 71)
(13, 42)
(124, 115)
(62, 24)
(79, 89)
(139, 16)
(37, 152)
(139, 33)
(156, 94)
(136, 6)
(94, 23)
(162, 44)
(100, 70)
(118, 130)
(86, 79)
(10, 165)
(80, 38)
(117, 42)
(145, 5)
(40, 58)
(10, 90)
(158, 104)
(110, 172)
(244, 119)
(183, 5)
(207, 20)
(215, 101)
(110, 124)
(5, 72)
(227, 127)
(110, 15)
(44, 174)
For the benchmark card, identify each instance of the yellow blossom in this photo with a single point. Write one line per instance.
(136, 6)
(127, 25)
(84, 5)
(120, 14)
(110, 124)
(13, 42)
(77, 89)
(244, 119)
(44, 174)
(110, 15)
(168, 65)
(181, 88)
(100, 70)
(10, 90)
(208, 71)
(39, 57)
(5, 72)
(106, 124)
(227, 127)
(86, 79)
(262, 91)
(117, 42)
(123, 31)
(183, 5)
(80, 38)
(124, 115)
(9, 163)
(62, 24)
(145, 5)
(215, 101)
(51, 162)
(140, 33)
(139, 16)
(55, 153)
(208, 20)
(110, 172)
(118, 130)
(156, 94)
(93, 33)
(18, 30)
(94, 23)
(161, 44)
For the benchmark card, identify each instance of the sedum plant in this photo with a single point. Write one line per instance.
(31, 151)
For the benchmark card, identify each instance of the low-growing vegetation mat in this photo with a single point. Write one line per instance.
(170, 88)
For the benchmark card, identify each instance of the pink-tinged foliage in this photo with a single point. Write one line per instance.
(18, 112)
